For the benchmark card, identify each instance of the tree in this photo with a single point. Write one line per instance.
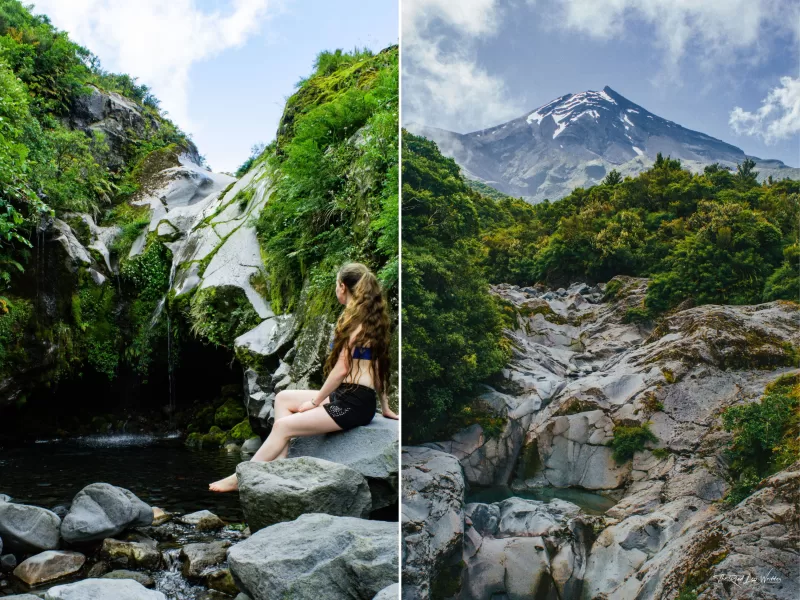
(612, 178)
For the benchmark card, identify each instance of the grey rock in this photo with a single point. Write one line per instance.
(221, 580)
(8, 562)
(389, 593)
(5, 498)
(141, 552)
(282, 490)
(137, 576)
(203, 520)
(28, 528)
(22, 597)
(432, 516)
(103, 589)
(101, 510)
(252, 445)
(267, 339)
(49, 566)
(341, 557)
(371, 450)
(195, 558)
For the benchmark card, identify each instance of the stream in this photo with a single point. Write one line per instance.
(159, 469)
(590, 503)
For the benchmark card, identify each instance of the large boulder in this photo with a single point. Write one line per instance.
(28, 528)
(282, 490)
(371, 450)
(49, 566)
(319, 557)
(101, 510)
(432, 518)
(103, 589)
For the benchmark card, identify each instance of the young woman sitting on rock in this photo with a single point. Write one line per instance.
(357, 373)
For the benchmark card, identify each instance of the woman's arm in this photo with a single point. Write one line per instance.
(334, 380)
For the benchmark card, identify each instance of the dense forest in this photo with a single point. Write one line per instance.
(713, 237)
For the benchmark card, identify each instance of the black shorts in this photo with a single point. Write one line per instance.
(352, 405)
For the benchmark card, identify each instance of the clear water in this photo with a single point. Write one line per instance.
(590, 503)
(160, 470)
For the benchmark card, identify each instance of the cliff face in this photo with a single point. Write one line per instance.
(595, 402)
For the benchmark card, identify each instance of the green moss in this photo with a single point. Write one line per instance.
(221, 314)
(630, 439)
(669, 376)
(661, 453)
(229, 414)
(242, 431)
(447, 583)
(637, 314)
(651, 403)
(544, 309)
(612, 289)
(15, 315)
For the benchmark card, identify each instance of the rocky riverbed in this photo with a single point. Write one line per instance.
(584, 367)
(319, 507)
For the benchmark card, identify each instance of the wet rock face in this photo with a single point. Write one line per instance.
(340, 557)
(432, 516)
(28, 528)
(283, 490)
(101, 510)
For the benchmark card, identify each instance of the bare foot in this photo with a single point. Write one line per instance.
(229, 484)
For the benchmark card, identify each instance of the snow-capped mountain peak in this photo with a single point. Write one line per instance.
(575, 140)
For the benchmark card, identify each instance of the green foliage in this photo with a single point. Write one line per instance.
(452, 327)
(242, 431)
(714, 237)
(148, 272)
(765, 436)
(45, 166)
(229, 414)
(14, 318)
(221, 314)
(630, 439)
(335, 171)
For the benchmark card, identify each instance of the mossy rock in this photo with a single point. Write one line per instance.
(242, 431)
(214, 439)
(230, 414)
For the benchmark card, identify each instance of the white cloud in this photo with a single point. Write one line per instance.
(157, 41)
(778, 117)
(443, 84)
(710, 31)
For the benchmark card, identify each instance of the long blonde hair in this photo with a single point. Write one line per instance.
(367, 308)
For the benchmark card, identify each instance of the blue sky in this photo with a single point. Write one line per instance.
(223, 69)
(690, 62)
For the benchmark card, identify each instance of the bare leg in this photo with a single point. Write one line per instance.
(287, 402)
(311, 422)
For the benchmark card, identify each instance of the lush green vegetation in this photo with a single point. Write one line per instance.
(452, 327)
(630, 439)
(715, 237)
(335, 164)
(766, 436)
(45, 166)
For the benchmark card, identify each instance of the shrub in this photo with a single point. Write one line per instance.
(630, 439)
(765, 435)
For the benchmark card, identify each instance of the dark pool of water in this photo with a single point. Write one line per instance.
(593, 504)
(161, 471)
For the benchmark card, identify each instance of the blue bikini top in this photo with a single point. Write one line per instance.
(361, 352)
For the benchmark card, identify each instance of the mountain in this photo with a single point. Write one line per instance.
(575, 140)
